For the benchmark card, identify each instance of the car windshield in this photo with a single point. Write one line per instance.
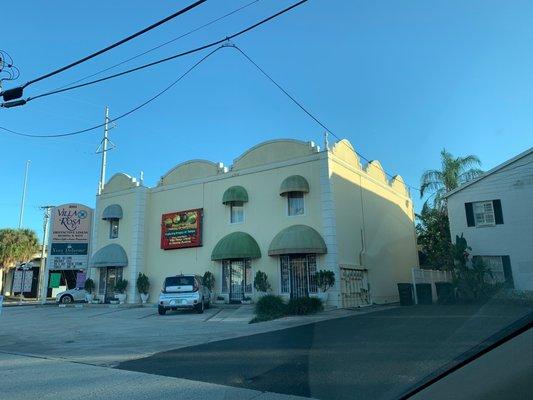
(256, 199)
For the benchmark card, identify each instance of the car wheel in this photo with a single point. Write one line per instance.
(66, 299)
(161, 310)
(201, 307)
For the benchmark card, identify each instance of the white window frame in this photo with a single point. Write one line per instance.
(495, 264)
(111, 221)
(231, 205)
(288, 205)
(485, 209)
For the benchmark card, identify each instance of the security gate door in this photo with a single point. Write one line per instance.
(237, 277)
(299, 277)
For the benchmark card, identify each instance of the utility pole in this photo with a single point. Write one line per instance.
(24, 193)
(43, 290)
(104, 152)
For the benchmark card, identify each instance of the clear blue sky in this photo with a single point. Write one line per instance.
(399, 79)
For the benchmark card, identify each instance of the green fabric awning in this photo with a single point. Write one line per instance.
(236, 245)
(297, 239)
(112, 255)
(113, 211)
(235, 193)
(294, 183)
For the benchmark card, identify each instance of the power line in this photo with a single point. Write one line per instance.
(122, 115)
(304, 109)
(197, 49)
(161, 45)
(116, 44)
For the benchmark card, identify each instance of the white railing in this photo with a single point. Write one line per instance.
(429, 276)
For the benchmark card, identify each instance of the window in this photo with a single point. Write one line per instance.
(237, 212)
(483, 213)
(495, 264)
(113, 228)
(500, 266)
(295, 202)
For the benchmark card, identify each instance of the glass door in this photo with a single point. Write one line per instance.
(112, 274)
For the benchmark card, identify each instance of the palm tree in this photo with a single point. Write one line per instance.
(454, 172)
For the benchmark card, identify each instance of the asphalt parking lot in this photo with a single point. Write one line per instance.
(104, 335)
(376, 355)
(340, 354)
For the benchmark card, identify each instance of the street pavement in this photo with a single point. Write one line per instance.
(375, 355)
(104, 335)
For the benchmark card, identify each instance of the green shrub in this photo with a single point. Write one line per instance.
(304, 305)
(261, 283)
(143, 283)
(121, 285)
(208, 280)
(325, 279)
(270, 305)
(89, 285)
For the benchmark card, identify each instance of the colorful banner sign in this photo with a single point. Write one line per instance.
(71, 234)
(181, 229)
(81, 277)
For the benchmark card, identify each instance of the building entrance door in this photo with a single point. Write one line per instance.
(299, 277)
(236, 292)
(108, 279)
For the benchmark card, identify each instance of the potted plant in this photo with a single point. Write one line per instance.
(208, 281)
(120, 288)
(143, 286)
(89, 287)
(325, 279)
(261, 284)
(246, 300)
(220, 300)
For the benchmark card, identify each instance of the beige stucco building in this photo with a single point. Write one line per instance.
(284, 207)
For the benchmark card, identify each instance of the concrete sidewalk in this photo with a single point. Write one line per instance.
(23, 377)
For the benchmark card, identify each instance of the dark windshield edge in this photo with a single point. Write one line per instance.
(506, 334)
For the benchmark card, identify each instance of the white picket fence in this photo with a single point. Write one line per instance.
(429, 276)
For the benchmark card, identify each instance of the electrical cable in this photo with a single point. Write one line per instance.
(203, 47)
(160, 45)
(131, 111)
(116, 44)
(305, 110)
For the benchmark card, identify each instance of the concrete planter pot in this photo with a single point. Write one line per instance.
(144, 297)
(121, 297)
(89, 297)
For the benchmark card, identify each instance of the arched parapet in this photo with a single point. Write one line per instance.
(344, 150)
(190, 170)
(273, 151)
(118, 182)
(376, 171)
(398, 185)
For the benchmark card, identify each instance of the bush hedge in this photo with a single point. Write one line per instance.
(304, 305)
(271, 307)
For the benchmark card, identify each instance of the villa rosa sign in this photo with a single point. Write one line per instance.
(181, 229)
(71, 233)
(71, 224)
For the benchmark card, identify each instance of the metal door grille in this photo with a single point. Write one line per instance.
(354, 287)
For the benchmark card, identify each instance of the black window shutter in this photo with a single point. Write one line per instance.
(507, 271)
(498, 215)
(469, 214)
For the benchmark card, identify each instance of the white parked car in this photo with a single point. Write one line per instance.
(184, 292)
(71, 295)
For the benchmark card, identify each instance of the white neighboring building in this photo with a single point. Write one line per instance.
(494, 212)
